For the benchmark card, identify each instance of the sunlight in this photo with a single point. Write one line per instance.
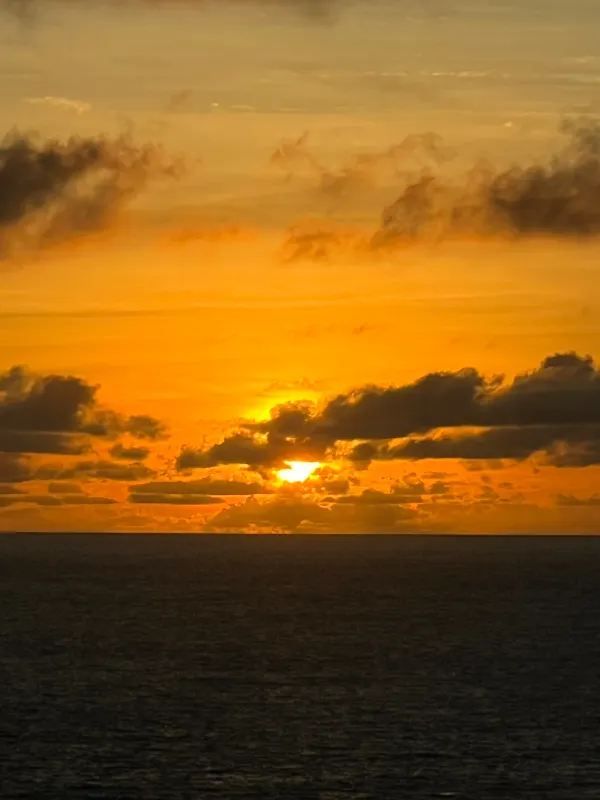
(297, 471)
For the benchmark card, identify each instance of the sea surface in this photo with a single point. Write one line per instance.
(299, 667)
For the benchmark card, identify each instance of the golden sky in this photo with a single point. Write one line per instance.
(300, 266)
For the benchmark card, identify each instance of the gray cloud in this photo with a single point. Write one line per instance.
(559, 402)
(200, 492)
(51, 500)
(59, 414)
(558, 198)
(100, 470)
(299, 515)
(174, 499)
(516, 443)
(131, 453)
(52, 190)
(204, 486)
(571, 501)
(246, 448)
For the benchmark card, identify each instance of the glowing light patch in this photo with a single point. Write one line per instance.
(297, 471)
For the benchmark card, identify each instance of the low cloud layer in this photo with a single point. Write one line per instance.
(201, 492)
(59, 414)
(51, 191)
(554, 408)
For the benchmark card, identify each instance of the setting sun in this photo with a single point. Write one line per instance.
(297, 471)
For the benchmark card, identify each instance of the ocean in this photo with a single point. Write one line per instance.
(320, 668)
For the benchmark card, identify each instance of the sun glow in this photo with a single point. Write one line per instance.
(297, 471)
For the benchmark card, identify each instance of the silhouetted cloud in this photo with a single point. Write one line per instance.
(14, 468)
(50, 191)
(131, 453)
(200, 492)
(174, 499)
(58, 414)
(555, 408)
(514, 443)
(571, 501)
(557, 198)
(298, 514)
(23, 498)
(246, 448)
(205, 486)
(64, 488)
(100, 470)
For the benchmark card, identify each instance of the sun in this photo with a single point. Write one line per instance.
(297, 471)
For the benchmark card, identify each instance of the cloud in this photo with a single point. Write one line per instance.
(558, 198)
(51, 500)
(363, 170)
(319, 243)
(52, 190)
(10, 489)
(403, 493)
(174, 499)
(205, 486)
(100, 470)
(64, 488)
(132, 453)
(201, 492)
(514, 443)
(555, 408)
(14, 468)
(571, 501)
(247, 448)
(301, 515)
(15, 441)
(64, 103)
(315, 9)
(59, 414)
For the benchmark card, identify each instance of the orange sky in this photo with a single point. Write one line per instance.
(285, 232)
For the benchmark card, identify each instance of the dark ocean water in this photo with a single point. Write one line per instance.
(299, 667)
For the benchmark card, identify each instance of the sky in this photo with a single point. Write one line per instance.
(300, 266)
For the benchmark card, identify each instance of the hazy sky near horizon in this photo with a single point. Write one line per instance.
(239, 234)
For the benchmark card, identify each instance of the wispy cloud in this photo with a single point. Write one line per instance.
(63, 103)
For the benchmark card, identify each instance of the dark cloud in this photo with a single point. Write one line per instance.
(373, 497)
(201, 492)
(297, 514)
(557, 198)
(205, 486)
(53, 403)
(51, 500)
(555, 407)
(42, 442)
(58, 414)
(10, 489)
(274, 449)
(145, 427)
(14, 468)
(174, 499)
(65, 488)
(100, 470)
(514, 443)
(571, 501)
(52, 190)
(132, 453)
